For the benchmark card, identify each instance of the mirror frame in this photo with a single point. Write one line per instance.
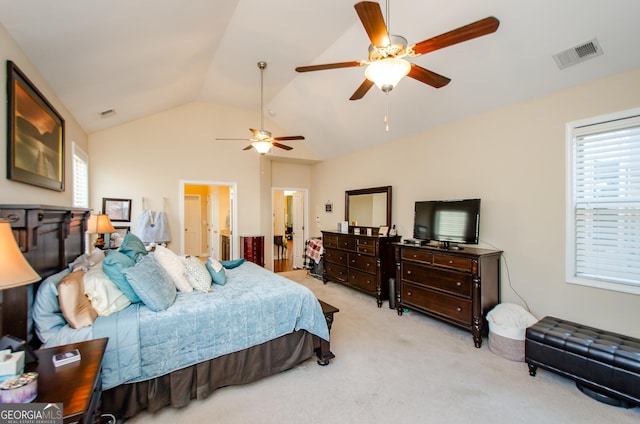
(374, 190)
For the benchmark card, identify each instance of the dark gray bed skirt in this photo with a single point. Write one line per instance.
(198, 381)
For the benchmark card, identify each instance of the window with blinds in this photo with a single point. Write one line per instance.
(80, 177)
(603, 210)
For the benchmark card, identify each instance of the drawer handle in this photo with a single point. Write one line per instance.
(458, 283)
(459, 309)
(409, 272)
(408, 293)
(450, 262)
(415, 256)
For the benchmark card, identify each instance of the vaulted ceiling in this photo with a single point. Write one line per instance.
(144, 56)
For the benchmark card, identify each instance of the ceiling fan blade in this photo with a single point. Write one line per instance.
(249, 147)
(362, 90)
(290, 137)
(428, 77)
(468, 32)
(282, 146)
(351, 64)
(233, 139)
(371, 17)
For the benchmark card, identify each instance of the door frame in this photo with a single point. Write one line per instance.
(235, 252)
(305, 215)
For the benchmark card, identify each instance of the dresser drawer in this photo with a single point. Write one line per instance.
(362, 262)
(362, 280)
(450, 307)
(453, 282)
(335, 256)
(420, 255)
(457, 262)
(330, 241)
(347, 243)
(366, 246)
(335, 272)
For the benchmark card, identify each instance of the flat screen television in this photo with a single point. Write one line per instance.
(447, 221)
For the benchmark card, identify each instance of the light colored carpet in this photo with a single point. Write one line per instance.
(406, 369)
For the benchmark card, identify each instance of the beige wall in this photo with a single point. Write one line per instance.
(514, 160)
(20, 193)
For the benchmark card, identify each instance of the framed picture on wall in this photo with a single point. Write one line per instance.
(119, 210)
(35, 142)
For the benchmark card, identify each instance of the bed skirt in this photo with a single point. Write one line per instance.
(198, 381)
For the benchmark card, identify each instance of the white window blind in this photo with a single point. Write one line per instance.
(606, 204)
(80, 177)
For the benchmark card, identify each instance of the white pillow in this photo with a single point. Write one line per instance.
(106, 298)
(197, 274)
(174, 266)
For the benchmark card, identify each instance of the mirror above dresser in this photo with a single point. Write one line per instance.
(368, 207)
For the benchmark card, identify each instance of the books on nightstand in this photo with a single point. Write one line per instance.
(66, 357)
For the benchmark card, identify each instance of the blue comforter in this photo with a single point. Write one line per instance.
(254, 306)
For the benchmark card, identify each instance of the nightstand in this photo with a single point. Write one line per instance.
(78, 386)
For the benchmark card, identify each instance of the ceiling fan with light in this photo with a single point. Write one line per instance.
(386, 63)
(262, 140)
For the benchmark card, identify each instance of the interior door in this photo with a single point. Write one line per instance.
(298, 229)
(192, 219)
(214, 224)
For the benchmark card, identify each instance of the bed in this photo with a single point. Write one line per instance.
(256, 324)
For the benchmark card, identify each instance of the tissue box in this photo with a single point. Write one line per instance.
(11, 364)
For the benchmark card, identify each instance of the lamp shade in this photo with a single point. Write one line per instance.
(100, 224)
(261, 146)
(387, 73)
(15, 271)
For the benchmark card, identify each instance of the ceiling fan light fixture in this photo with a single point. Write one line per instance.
(387, 73)
(261, 147)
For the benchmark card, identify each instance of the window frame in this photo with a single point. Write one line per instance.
(78, 152)
(575, 129)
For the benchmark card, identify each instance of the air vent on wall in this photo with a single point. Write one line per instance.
(578, 54)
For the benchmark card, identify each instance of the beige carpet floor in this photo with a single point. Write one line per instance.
(401, 369)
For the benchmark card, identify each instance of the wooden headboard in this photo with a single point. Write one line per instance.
(50, 237)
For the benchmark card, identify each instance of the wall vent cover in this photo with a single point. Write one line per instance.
(107, 113)
(578, 54)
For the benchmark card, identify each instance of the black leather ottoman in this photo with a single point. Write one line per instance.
(604, 365)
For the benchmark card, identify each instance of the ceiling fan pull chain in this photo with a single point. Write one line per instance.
(386, 112)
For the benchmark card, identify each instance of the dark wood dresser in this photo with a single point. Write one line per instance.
(253, 249)
(362, 262)
(457, 286)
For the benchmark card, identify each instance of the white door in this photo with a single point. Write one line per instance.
(192, 229)
(298, 229)
(214, 225)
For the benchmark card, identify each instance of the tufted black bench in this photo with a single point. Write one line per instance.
(604, 365)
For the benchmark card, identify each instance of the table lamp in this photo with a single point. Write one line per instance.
(100, 224)
(15, 272)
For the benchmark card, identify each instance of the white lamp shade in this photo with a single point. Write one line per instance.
(261, 146)
(100, 224)
(15, 271)
(387, 73)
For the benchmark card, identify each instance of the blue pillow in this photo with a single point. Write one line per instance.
(217, 272)
(151, 283)
(114, 265)
(133, 247)
(233, 264)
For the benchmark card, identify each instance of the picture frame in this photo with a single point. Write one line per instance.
(119, 210)
(122, 232)
(383, 231)
(35, 134)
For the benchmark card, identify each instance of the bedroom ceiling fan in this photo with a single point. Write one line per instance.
(387, 64)
(262, 140)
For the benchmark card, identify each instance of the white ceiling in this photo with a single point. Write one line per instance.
(144, 56)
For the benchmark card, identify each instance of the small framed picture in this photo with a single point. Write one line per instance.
(383, 230)
(119, 210)
(115, 239)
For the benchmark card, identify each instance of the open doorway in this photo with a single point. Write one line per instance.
(208, 219)
(290, 223)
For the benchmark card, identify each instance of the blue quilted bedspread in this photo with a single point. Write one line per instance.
(254, 306)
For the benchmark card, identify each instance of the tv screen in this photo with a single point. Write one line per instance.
(447, 221)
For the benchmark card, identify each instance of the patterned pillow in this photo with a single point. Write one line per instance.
(74, 304)
(174, 266)
(217, 272)
(197, 274)
(151, 283)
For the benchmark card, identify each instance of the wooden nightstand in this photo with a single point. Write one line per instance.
(77, 385)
